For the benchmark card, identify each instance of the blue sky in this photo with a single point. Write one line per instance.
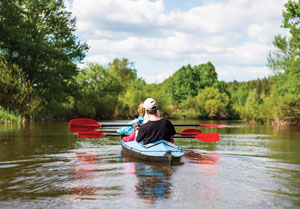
(160, 36)
(182, 5)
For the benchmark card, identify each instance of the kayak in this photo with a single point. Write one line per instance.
(159, 152)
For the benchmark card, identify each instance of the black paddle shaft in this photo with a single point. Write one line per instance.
(176, 137)
(104, 125)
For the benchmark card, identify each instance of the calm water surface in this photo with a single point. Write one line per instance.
(43, 165)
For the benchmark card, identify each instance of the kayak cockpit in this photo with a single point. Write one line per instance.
(160, 151)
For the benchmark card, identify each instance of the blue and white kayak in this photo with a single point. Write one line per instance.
(160, 151)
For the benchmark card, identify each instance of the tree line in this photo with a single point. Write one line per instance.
(39, 77)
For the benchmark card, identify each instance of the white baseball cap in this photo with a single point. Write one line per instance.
(150, 104)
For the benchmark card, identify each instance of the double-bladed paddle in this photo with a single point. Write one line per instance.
(87, 124)
(187, 133)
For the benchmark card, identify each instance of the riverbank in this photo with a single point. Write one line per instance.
(8, 117)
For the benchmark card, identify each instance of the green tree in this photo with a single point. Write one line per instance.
(285, 62)
(251, 111)
(99, 92)
(189, 80)
(161, 95)
(124, 71)
(205, 75)
(182, 83)
(211, 103)
(134, 95)
(38, 36)
(221, 85)
(15, 90)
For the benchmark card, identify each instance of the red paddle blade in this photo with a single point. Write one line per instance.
(208, 137)
(83, 124)
(213, 126)
(77, 129)
(90, 134)
(190, 132)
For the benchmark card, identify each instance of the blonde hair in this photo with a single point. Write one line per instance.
(141, 109)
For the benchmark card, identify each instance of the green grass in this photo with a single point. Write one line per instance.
(6, 116)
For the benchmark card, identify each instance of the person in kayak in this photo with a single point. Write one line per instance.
(154, 128)
(130, 129)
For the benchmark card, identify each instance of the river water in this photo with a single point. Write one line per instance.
(43, 165)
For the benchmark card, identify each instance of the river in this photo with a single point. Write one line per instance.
(43, 165)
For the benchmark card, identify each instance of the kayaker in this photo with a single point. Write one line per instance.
(155, 128)
(130, 129)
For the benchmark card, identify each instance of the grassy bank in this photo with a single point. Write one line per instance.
(7, 117)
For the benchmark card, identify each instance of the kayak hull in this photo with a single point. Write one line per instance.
(159, 152)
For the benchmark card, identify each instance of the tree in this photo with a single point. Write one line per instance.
(181, 83)
(189, 80)
(211, 103)
(99, 92)
(124, 71)
(285, 61)
(15, 90)
(205, 75)
(38, 36)
(134, 95)
(251, 111)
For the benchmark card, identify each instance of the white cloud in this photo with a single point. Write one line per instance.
(111, 14)
(100, 59)
(255, 32)
(235, 33)
(158, 78)
(231, 73)
(211, 18)
(248, 54)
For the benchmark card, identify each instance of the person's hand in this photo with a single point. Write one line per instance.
(136, 125)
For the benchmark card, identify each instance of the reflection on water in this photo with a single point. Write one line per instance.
(204, 166)
(207, 162)
(85, 170)
(43, 165)
(153, 181)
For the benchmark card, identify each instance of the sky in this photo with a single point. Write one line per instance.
(161, 36)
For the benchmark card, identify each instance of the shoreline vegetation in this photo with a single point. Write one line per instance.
(40, 80)
(9, 118)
